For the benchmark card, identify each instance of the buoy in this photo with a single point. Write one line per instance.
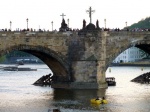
(142, 68)
(109, 69)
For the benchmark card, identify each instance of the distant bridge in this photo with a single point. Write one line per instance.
(77, 61)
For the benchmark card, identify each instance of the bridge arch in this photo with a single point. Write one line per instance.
(143, 44)
(54, 60)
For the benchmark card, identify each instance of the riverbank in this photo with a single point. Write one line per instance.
(139, 63)
(130, 64)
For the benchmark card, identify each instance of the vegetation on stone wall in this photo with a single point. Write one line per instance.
(2, 58)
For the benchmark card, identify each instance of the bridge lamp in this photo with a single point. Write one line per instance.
(52, 25)
(27, 22)
(105, 22)
(10, 25)
(126, 24)
(68, 23)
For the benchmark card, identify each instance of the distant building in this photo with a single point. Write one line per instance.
(130, 55)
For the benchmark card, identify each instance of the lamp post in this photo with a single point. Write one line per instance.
(27, 23)
(52, 25)
(10, 25)
(105, 22)
(126, 24)
(68, 23)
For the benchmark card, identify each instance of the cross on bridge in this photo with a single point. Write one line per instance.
(62, 16)
(90, 11)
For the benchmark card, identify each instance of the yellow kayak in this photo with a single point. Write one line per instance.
(94, 101)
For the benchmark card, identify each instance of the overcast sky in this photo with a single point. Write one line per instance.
(42, 12)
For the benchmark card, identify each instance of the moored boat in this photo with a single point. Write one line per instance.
(16, 68)
(111, 81)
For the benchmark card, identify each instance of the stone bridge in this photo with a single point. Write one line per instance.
(77, 61)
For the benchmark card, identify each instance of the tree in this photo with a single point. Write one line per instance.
(143, 24)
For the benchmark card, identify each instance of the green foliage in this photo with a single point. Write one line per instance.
(144, 24)
(2, 59)
(144, 55)
(17, 54)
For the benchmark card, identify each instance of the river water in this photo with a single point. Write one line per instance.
(17, 94)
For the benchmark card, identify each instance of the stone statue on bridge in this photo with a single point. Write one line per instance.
(84, 23)
(97, 25)
(64, 26)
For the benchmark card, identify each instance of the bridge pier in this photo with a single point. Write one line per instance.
(87, 75)
(88, 68)
(101, 62)
(101, 77)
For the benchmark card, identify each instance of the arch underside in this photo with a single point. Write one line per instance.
(145, 46)
(56, 62)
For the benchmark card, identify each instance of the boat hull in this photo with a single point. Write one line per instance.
(94, 101)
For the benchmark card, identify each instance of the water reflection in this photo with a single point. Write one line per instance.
(65, 94)
(77, 99)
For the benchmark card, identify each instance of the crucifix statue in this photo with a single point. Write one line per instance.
(62, 16)
(90, 11)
